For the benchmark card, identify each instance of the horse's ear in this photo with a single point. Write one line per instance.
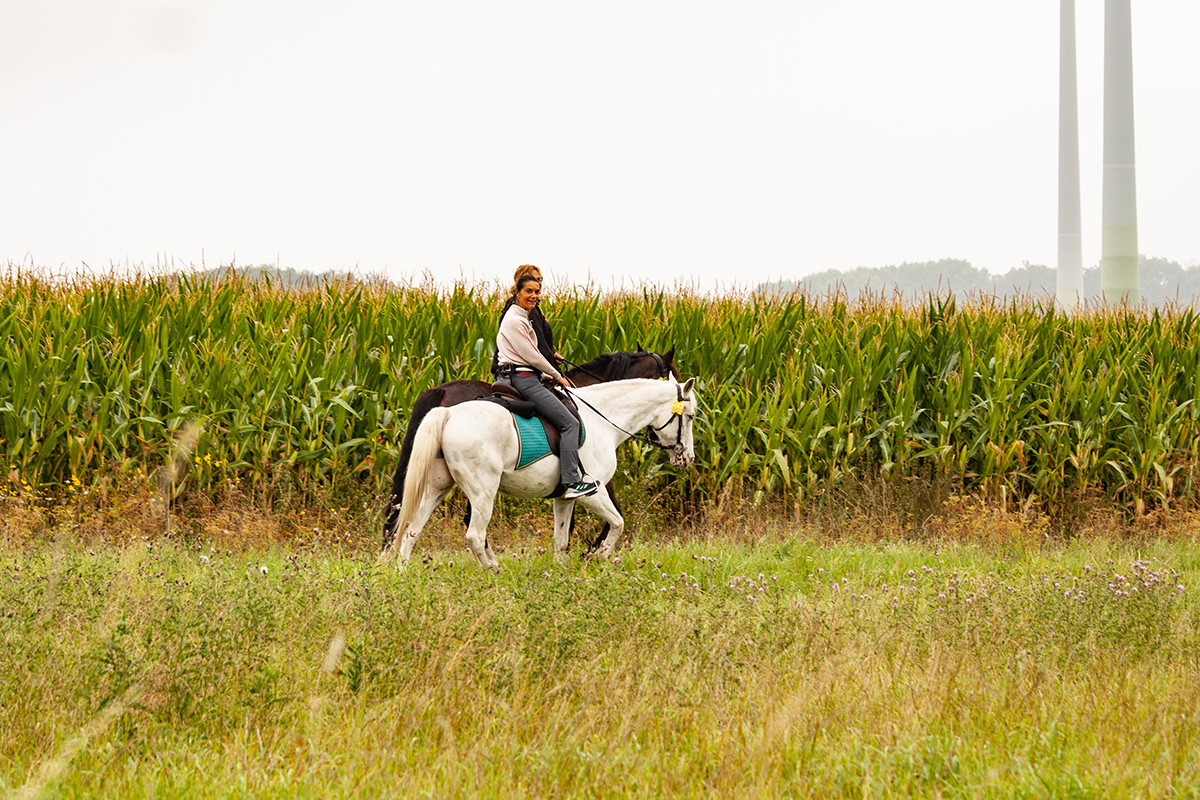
(638, 348)
(687, 387)
(669, 356)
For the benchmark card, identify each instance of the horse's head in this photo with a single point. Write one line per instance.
(672, 429)
(658, 366)
(627, 364)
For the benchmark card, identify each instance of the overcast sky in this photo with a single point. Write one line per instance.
(723, 143)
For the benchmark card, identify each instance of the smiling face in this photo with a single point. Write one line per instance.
(529, 295)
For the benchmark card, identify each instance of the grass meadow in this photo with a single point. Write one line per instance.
(726, 663)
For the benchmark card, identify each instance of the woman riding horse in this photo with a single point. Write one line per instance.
(522, 365)
(475, 446)
(604, 367)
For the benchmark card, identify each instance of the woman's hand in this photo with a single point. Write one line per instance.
(565, 382)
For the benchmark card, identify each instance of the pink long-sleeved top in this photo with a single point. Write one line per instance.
(516, 343)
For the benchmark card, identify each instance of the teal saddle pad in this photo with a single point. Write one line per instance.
(531, 439)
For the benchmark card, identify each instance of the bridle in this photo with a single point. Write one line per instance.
(676, 416)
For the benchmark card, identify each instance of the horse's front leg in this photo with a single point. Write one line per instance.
(606, 508)
(563, 510)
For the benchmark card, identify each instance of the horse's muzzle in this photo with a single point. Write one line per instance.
(682, 458)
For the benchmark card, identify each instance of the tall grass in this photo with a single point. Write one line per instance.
(1011, 401)
(793, 669)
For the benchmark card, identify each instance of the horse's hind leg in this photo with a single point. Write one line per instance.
(480, 486)
(481, 515)
(409, 537)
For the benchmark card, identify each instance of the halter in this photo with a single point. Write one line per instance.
(663, 372)
(676, 416)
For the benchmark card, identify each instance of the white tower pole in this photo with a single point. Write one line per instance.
(1070, 240)
(1119, 278)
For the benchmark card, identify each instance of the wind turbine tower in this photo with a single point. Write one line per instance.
(1119, 280)
(1070, 240)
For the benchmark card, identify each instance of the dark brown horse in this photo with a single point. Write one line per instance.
(602, 368)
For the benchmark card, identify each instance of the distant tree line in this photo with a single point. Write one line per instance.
(1163, 281)
(284, 277)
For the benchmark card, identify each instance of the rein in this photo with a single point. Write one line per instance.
(583, 370)
(676, 416)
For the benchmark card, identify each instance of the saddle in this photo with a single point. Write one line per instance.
(505, 395)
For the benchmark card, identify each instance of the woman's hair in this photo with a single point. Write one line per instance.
(523, 271)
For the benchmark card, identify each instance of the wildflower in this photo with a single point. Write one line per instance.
(264, 570)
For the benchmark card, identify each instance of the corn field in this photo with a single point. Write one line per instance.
(1009, 400)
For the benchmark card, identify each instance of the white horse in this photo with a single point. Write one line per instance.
(475, 445)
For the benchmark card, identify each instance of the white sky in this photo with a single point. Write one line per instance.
(721, 143)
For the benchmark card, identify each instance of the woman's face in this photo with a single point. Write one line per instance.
(529, 295)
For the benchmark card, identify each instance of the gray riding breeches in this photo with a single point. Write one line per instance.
(531, 388)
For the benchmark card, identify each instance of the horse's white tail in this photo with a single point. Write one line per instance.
(425, 449)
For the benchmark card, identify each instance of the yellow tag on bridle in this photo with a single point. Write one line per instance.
(677, 407)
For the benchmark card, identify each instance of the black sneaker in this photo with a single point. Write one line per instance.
(581, 489)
